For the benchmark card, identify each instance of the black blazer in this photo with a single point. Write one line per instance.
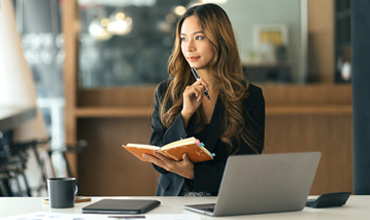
(207, 175)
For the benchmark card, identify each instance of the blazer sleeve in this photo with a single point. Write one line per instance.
(162, 135)
(256, 111)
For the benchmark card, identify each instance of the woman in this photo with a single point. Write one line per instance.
(230, 122)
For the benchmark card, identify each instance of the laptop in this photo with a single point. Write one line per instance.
(266, 183)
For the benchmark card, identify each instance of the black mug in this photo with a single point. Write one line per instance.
(62, 191)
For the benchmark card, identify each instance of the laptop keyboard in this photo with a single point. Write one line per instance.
(209, 209)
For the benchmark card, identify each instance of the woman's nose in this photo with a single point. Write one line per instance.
(190, 46)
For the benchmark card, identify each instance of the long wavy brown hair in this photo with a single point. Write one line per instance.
(226, 70)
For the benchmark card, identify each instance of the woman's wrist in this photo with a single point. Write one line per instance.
(185, 118)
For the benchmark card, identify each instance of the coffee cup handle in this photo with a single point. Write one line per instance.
(76, 189)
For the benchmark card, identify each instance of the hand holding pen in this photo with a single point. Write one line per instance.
(192, 97)
(195, 74)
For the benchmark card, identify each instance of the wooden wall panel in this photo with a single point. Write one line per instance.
(104, 167)
(299, 118)
(138, 96)
(307, 95)
(315, 117)
(331, 135)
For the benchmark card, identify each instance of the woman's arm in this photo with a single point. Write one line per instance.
(162, 136)
(256, 111)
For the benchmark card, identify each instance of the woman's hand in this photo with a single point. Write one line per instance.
(192, 99)
(184, 168)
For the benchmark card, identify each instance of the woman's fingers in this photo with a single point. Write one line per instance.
(161, 157)
(152, 159)
(192, 99)
(183, 168)
(196, 90)
(201, 82)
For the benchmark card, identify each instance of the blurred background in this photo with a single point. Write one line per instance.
(95, 65)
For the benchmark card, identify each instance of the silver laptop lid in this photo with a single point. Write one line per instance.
(266, 183)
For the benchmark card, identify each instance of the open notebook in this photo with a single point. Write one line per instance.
(264, 183)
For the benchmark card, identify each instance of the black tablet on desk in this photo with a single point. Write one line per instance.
(121, 206)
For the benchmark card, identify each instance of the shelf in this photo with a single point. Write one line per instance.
(113, 112)
(310, 110)
(265, 65)
(140, 112)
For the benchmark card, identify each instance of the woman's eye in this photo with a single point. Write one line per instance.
(183, 39)
(199, 37)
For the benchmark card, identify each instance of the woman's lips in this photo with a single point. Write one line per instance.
(192, 58)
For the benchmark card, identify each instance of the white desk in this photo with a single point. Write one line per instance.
(357, 207)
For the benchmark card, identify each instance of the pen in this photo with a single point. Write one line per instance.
(195, 74)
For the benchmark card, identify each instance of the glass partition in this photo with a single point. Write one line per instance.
(127, 43)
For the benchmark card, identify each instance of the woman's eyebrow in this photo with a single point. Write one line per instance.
(195, 33)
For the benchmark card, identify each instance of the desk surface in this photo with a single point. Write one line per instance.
(357, 207)
(13, 116)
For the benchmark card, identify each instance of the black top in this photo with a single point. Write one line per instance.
(208, 174)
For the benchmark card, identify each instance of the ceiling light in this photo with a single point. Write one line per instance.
(180, 10)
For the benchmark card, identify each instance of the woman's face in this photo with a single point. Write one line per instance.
(195, 46)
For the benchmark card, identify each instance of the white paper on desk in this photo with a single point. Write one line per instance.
(54, 216)
(172, 217)
(57, 216)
